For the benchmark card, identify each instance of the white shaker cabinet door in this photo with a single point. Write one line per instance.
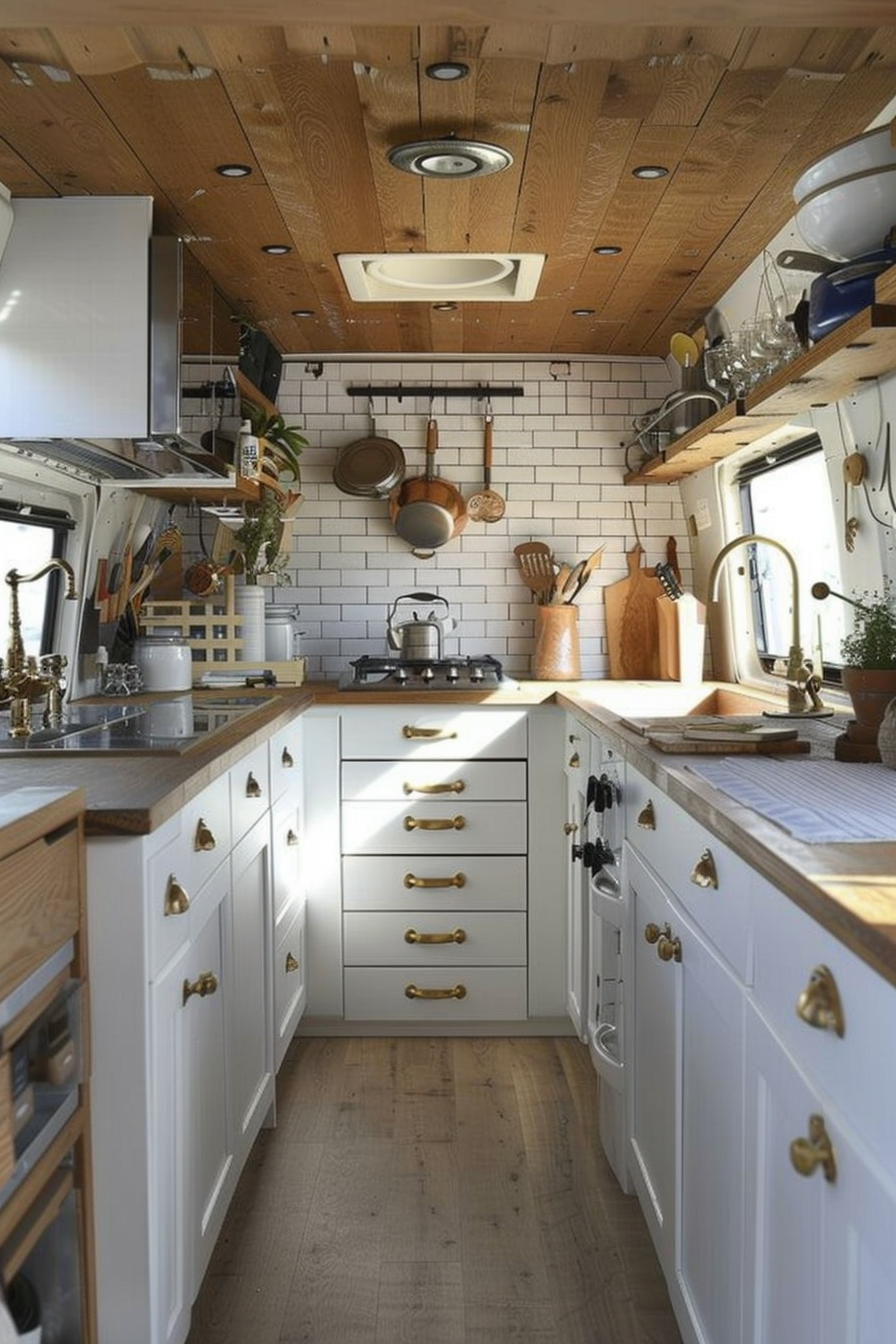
(250, 997)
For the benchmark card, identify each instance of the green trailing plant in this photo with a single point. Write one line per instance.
(258, 540)
(286, 441)
(871, 645)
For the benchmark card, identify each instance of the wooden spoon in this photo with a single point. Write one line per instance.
(536, 567)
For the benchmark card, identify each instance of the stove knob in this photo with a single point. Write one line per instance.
(476, 674)
(401, 674)
(453, 673)
(427, 674)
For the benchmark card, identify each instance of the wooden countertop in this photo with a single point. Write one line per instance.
(848, 888)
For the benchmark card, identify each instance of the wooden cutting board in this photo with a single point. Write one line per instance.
(632, 626)
(667, 631)
(717, 735)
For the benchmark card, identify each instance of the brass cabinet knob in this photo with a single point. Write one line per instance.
(434, 823)
(819, 1004)
(286, 759)
(205, 984)
(668, 948)
(704, 872)
(458, 880)
(456, 936)
(807, 1154)
(291, 837)
(204, 838)
(455, 786)
(653, 933)
(177, 902)
(291, 963)
(647, 816)
(414, 992)
(575, 761)
(253, 788)
(570, 827)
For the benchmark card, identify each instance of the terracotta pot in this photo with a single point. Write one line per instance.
(870, 690)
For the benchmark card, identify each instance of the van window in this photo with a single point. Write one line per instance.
(28, 539)
(787, 496)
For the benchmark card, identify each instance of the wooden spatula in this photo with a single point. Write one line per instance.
(536, 567)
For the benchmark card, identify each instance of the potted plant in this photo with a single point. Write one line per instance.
(258, 541)
(283, 442)
(869, 660)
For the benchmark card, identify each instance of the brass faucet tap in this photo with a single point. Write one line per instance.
(803, 685)
(23, 680)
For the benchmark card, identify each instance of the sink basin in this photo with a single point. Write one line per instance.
(721, 700)
(78, 719)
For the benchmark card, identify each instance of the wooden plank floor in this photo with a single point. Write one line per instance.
(452, 1191)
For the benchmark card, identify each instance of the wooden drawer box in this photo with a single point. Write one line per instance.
(39, 895)
(474, 781)
(448, 827)
(438, 733)
(469, 882)
(479, 994)
(386, 938)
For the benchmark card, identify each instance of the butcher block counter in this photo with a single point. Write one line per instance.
(850, 888)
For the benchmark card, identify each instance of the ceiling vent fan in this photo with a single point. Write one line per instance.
(428, 277)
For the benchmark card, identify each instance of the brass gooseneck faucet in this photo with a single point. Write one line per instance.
(803, 684)
(25, 679)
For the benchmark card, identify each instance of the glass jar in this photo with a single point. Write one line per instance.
(281, 633)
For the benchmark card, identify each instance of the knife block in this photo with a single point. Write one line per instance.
(556, 654)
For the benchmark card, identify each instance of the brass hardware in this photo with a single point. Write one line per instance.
(573, 738)
(575, 761)
(25, 679)
(177, 902)
(291, 963)
(413, 992)
(819, 1004)
(291, 837)
(456, 786)
(432, 734)
(204, 838)
(815, 1151)
(647, 816)
(458, 880)
(253, 788)
(704, 873)
(653, 933)
(434, 823)
(570, 827)
(286, 759)
(669, 948)
(457, 936)
(206, 984)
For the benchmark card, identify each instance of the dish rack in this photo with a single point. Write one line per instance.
(653, 439)
(211, 627)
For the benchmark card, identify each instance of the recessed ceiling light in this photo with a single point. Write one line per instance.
(607, 250)
(583, 312)
(450, 158)
(233, 169)
(447, 70)
(648, 171)
(303, 312)
(276, 249)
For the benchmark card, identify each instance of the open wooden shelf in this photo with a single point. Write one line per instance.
(861, 350)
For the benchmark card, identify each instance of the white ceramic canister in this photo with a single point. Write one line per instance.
(281, 633)
(165, 661)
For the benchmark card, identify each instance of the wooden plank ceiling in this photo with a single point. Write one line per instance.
(734, 113)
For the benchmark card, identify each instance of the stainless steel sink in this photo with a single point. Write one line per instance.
(77, 720)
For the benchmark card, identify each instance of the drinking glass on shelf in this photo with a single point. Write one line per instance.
(716, 369)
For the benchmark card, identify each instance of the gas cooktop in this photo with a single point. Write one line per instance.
(434, 674)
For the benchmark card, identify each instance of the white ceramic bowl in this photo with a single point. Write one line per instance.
(862, 154)
(850, 217)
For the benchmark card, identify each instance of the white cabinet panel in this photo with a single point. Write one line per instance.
(251, 989)
(434, 828)
(473, 994)
(290, 981)
(388, 938)
(440, 732)
(460, 882)
(466, 781)
(250, 790)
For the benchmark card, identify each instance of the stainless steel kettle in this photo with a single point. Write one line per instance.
(420, 638)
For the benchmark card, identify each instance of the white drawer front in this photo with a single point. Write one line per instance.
(413, 827)
(250, 790)
(169, 894)
(484, 994)
(853, 1069)
(285, 764)
(206, 829)
(390, 938)
(290, 981)
(287, 859)
(575, 749)
(467, 882)
(438, 733)
(477, 781)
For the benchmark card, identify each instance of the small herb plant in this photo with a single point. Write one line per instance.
(871, 645)
(284, 441)
(258, 540)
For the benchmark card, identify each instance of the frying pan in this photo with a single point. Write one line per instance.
(370, 467)
(425, 510)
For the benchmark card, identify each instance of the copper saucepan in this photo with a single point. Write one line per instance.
(427, 511)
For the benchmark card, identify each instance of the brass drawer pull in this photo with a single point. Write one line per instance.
(431, 734)
(647, 816)
(204, 839)
(291, 963)
(574, 761)
(669, 948)
(808, 1154)
(458, 880)
(291, 837)
(819, 1004)
(456, 786)
(457, 936)
(414, 992)
(434, 823)
(177, 902)
(206, 984)
(653, 933)
(704, 873)
(253, 788)
(286, 759)
(570, 827)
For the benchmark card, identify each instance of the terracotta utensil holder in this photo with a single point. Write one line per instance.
(556, 655)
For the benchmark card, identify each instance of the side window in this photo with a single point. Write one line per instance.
(28, 539)
(788, 497)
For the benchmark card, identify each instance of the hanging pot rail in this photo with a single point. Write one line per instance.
(402, 390)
